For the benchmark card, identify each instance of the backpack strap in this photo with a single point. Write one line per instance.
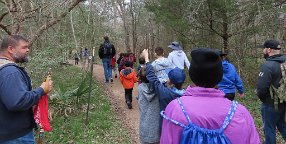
(229, 115)
(171, 120)
(174, 121)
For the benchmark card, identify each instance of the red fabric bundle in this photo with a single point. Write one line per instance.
(41, 113)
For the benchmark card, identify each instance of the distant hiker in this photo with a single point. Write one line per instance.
(119, 67)
(85, 56)
(161, 64)
(76, 58)
(129, 56)
(106, 52)
(230, 80)
(178, 57)
(142, 63)
(202, 115)
(149, 108)
(269, 83)
(174, 89)
(128, 78)
(17, 97)
(113, 66)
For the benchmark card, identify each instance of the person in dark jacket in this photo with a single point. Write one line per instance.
(16, 94)
(106, 52)
(174, 87)
(270, 75)
(230, 80)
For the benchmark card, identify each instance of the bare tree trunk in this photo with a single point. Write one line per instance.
(73, 32)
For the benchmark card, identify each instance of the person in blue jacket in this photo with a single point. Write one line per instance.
(17, 97)
(174, 87)
(231, 80)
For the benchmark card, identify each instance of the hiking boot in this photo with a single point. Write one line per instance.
(107, 81)
(111, 80)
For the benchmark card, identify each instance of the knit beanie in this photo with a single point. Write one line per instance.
(206, 67)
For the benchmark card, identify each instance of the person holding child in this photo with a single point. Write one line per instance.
(174, 89)
(149, 108)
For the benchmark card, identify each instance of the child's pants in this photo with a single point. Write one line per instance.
(128, 95)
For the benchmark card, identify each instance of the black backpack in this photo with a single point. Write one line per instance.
(107, 49)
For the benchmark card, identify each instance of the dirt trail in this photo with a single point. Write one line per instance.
(115, 92)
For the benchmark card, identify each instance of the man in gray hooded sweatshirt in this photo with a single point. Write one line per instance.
(161, 64)
(178, 57)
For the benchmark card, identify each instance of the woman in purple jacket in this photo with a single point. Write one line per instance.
(206, 106)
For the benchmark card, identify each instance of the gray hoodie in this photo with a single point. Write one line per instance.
(149, 114)
(160, 65)
(178, 58)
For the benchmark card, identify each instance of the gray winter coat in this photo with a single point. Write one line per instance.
(149, 114)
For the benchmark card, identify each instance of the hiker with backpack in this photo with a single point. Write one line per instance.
(270, 85)
(178, 57)
(174, 85)
(129, 56)
(230, 80)
(161, 64)
(17, 97)
(106, 52)
(149, 109)
(202, 115)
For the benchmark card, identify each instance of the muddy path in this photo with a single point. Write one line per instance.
(115, 92)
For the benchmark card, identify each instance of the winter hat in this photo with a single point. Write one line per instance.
(175, 46)
(206, 67)
(176, 75)
(273, 44)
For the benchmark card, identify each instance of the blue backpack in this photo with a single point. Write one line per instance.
(193, 134)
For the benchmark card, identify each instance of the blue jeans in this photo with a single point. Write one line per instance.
(272, 119)
(107, 68)
(26, 139)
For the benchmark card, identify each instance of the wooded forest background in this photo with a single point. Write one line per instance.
(56, 28)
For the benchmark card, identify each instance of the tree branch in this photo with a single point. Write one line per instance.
(44, 27)
(5, 29)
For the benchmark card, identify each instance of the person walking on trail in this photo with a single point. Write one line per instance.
(273, 112)
(149, 108)
(76, 58)
(129, 56)
(230, 80)
(119, 67)
(85, 55)
(142, 64)
(161, 64)
(202, 115)
(174, 85)
(178, 57)
(106, 52)
(113, 66)
(17, 97)
(128, 78)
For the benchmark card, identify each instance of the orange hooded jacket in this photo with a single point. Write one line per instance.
(128, 78)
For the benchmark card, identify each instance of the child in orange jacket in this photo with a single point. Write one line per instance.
(128, 78)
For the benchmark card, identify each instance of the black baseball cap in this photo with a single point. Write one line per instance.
(273, 44)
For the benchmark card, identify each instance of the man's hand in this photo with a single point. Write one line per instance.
(145, 55)
(47, 85)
